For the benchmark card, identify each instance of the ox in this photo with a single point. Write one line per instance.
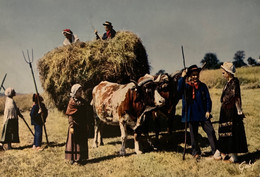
(167, 88)
(124, 105)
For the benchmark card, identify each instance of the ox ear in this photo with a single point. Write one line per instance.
(136, 85)
(158, 79)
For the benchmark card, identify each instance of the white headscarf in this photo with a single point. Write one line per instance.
(9, 92)
(74, 89)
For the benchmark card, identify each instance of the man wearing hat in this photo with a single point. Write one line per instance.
(69, 37)
(198, 110)
(110, 32)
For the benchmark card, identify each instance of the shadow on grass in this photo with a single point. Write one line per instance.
(44, 146)
(99, 159)
(253, 156)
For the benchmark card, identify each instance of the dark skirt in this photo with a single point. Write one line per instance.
(10, 132)
(232, 136)
(76, 148)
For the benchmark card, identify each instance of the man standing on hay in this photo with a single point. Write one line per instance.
(69, 37)
(110, 32)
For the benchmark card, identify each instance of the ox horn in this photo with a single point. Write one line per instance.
(145, 81)
(158, 78)
(136, 84)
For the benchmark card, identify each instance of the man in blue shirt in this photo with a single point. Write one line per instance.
(199, 105)
(110, 32)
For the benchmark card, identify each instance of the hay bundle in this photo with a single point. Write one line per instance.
(117, 60)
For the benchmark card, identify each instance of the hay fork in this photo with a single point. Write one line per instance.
(29, 60)
(2, 84)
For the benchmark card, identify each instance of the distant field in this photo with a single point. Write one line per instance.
(249, 77)
(104, 161)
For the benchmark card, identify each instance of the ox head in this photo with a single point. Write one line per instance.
(147, 92)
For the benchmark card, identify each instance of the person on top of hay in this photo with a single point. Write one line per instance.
(10, 132)
(69, 37)
(199, 105)
(110, 32)
(232, 137)
(36, 120)
(76, 149)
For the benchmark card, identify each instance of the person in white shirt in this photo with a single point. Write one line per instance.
(69, 37)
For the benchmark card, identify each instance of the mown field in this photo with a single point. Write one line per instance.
(167, 161)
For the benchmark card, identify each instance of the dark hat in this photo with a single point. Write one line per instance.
(107, 23)
(193, 68)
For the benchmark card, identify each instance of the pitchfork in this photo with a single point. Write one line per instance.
(29, 61)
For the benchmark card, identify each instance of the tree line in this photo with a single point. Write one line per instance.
(211, 61)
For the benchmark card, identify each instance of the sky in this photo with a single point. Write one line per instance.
(201, 26)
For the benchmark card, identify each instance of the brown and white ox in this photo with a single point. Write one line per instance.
(124, 105)
(167, 88)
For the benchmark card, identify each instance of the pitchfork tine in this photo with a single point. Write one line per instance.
(28, 56)
(24, 57)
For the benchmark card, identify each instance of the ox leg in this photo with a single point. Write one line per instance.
(97, 132)
(100, 133)
(123, 137)
(136, 139)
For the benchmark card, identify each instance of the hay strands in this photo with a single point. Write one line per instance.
(2, 84)
(29, 61)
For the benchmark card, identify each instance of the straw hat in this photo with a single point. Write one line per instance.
(229, 67)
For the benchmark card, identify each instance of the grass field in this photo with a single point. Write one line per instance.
(104, 161)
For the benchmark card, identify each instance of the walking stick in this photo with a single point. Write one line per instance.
(186, 108)
(27, 125)
(29, 61)
(2, 84)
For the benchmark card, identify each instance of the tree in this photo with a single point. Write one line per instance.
(239, 59)
(161, 71)
(211, 61)
(251, 61)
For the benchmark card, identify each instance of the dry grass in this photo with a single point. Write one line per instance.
(249, 77)
(23, 161)
(88, 63)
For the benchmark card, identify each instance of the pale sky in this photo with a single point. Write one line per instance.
(201, 26)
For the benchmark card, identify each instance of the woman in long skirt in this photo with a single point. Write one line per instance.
(77, 140)
(232, 137)
(10, 132)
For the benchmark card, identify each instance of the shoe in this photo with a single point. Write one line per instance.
(217, 155)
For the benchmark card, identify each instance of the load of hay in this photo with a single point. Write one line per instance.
(88, 63)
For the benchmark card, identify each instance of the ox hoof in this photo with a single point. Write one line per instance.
(94, 145)
(122, 153)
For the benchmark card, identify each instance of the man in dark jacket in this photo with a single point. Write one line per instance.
(110, 32)
(199, 105)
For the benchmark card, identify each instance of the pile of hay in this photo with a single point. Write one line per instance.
(88, 63)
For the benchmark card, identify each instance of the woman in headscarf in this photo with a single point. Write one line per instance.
(77, 140)
(232, 137)
(10, 132)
